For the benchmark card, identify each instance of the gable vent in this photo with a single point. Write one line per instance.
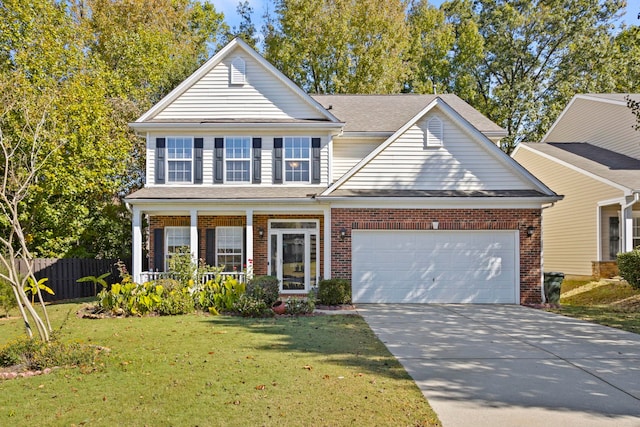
(435, 133)
(237, 73)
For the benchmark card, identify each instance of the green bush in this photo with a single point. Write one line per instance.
(177, 301)
(266, 288)
(248, 306)
(334, 292)
(297, 305)
(131, 299)
(220, 293)
(629, 267)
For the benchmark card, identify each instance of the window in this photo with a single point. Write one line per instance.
(175, 238)
(237, 72)
(229, 243)
(296, 159)
(434, 137)
(179, 159)
(636, 232)
(238, 158)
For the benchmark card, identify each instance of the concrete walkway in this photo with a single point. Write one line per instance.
(507, 365)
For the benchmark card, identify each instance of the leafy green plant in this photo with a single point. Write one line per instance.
(7, 297)
(248, 306)
(31, 288)
(296, 305)
(34, 354)
(629, 267)
(334, 292)
(96, 281)
(266, 288)
(220, 293)
(176, 301)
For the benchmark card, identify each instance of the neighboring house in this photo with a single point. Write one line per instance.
(407, 196)
(591, 155)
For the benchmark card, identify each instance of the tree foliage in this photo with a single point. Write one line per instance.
(100, 63)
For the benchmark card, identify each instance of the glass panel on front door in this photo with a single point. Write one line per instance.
(293, 256)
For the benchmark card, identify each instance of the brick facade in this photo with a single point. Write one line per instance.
(260, 244)
(449, 219)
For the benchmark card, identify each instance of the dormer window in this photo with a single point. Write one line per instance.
(237, 73)
(435, 133)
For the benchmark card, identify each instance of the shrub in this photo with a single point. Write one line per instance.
(220, 293)
(299, 306)
(129, 298)
(177, 301)
(334, 292)
(629, 267)
(266, 288)
(7, 298)
(248, 306)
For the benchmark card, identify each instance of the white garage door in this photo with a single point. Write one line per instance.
(435, 266)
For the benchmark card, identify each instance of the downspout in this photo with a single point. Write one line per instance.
(544, 299)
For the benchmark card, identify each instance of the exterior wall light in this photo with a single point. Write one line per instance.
(261, 232)
(343, 233)
(530, 230)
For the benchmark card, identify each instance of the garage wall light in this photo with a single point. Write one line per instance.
(530, 230)
(435, 225)
(343, 233)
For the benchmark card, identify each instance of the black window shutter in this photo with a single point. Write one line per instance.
(197, 160)
(277, 160)
(257, 160)
(160, 157)
(244, 247)
(315, 160)
(158, 249)
(210, 246)
(218, 167)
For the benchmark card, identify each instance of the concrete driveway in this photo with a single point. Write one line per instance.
(507, 365)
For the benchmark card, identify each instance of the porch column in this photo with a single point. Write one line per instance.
(136, 224)
(327, 243)
(627, 227)
(193, 237)
(249, 243)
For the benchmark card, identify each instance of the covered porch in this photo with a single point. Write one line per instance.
(244, 241)
(618, 231)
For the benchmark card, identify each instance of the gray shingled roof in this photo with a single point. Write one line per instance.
(607, 164)
(224, 192)
(388, 113)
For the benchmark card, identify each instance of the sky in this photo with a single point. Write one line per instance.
(228, 7)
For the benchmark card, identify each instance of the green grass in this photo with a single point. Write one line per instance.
(614, 304)
(218, 371)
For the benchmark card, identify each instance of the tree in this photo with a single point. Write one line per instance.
(246, 30)
(339, 46)
(535, 59)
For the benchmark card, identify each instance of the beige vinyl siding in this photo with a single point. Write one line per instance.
(462, 163)
(263, 96)
(570, 226)
(602, 124)
(348, 152)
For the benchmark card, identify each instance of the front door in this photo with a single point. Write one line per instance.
(293, 255)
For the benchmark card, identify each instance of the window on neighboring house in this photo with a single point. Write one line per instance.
(636, 232)
(175, 238)
(297, 151)
(238, 158)
(179, 159)
(434, 137)
(237, 73)
(229, 244)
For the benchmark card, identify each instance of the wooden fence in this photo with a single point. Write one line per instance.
(64, 273)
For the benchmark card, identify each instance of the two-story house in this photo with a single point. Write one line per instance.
(591, 155)
(407, 196)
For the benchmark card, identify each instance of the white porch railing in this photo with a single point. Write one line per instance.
(148, 276)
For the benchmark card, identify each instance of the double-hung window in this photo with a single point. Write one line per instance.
(238, 158)
(297, 152)
(175, 238)
(180, 159)
(229, 243)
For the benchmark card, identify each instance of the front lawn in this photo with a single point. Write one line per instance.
(608, 303)
(218, 371)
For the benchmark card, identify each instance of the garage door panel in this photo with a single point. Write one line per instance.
(434, 266)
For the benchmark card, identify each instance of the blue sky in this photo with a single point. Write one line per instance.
(228, 7)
